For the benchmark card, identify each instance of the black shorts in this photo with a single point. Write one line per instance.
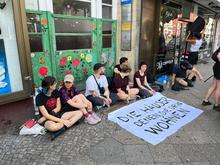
(216, 70)
(68, 108)
(193, 58)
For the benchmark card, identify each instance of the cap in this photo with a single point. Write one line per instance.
(69, 78)
(97, 66)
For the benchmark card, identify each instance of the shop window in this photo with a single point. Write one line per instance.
(106, 41)
(107, 28)
(36, 43)
(73, 42)
(72, 26)
(107, 9)
(73, 7)
(33, 23)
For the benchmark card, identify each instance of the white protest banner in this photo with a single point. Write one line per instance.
(155, 118)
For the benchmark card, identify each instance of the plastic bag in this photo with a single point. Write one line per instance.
(37, 129)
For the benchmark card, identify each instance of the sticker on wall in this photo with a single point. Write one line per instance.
(5, 86)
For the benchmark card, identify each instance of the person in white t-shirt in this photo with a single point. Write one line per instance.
(196, 42)
(97, 90)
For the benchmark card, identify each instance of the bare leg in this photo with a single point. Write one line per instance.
(78, 100)
(72, 117)
(182, 82)
(197, 73)
(211, 89)
(122, 95)
(217, 93)
(53, 126)
(133, 92)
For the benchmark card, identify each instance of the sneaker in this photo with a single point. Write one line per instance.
(216, 107)
(90, 120)
(204, 102)
(190, 84)
(54, 135)
(96, 117)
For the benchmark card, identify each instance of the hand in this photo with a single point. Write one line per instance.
(107, 101)
(41, 120)
(110, 100)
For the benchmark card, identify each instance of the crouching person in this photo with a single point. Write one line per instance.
(72, 101)
(121, 86)
(48, 101)
(182, 76)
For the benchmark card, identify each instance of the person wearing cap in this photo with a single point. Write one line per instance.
(97, 88)
(182, 74)
(71, 100)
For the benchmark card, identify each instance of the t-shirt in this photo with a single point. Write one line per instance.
(91, 84)
(195, 47)
(49, 102)
(179, 71)
(141, 77)
(66, 95)
(118, 67)
(119, 82)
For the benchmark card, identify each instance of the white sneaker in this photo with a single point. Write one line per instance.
(90, 120)
(96, 117)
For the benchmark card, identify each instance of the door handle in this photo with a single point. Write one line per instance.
(28, 78)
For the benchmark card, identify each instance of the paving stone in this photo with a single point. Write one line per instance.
(138, 154)
(164, 153)
(108, 151)
(190, 153)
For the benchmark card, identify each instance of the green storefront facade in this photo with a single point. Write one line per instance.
(62, 44)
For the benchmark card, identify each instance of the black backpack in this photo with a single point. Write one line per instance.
(214, 55)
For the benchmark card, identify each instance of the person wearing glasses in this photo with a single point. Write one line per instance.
(72, 101)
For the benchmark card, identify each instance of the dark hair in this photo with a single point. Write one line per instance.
(141, 64)
(47, 82)
(123, 59)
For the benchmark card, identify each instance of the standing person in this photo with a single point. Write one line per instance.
(71, 100)
(48, 102)
(123, 62)
(140, 81)
(196, 43)
(121, 85)
(215, 86)
(97, 90)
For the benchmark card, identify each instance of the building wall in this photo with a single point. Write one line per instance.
(133, 54)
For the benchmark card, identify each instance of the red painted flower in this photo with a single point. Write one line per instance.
(85, 70)
(47, 52)
(63, 61)
(109, 54)
(76, 62)
(44, 22)
(68, 72)
(93, 26)
(43, 71)
(94, 42)
(42, 60)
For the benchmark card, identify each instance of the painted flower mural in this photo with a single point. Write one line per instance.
(104, 59)
(43, 71)
(69, 58)
(67, 72)
(76, 62)
(89, 58)
(82, 55)
(63, 61)
(85, 70)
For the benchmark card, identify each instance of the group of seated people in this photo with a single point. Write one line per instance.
(60, 109)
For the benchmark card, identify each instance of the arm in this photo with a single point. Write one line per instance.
(116, 71)
(192, 41)
(139, 83)
(58, 106)
(173, 78)
(48, 116)
(218, 56)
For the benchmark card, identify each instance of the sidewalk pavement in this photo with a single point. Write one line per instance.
(197, 143)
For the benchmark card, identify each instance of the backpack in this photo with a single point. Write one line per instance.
(214, 55)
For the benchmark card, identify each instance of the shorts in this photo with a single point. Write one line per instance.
(68, 108)
(216, 70)
(193, 58)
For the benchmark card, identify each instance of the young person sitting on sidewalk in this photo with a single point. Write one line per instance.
(182, 75)
(51, 117)
(140, 81)
(97, 90)
(121, 86)
(117, 69)
(71, 101)
(215, 86)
